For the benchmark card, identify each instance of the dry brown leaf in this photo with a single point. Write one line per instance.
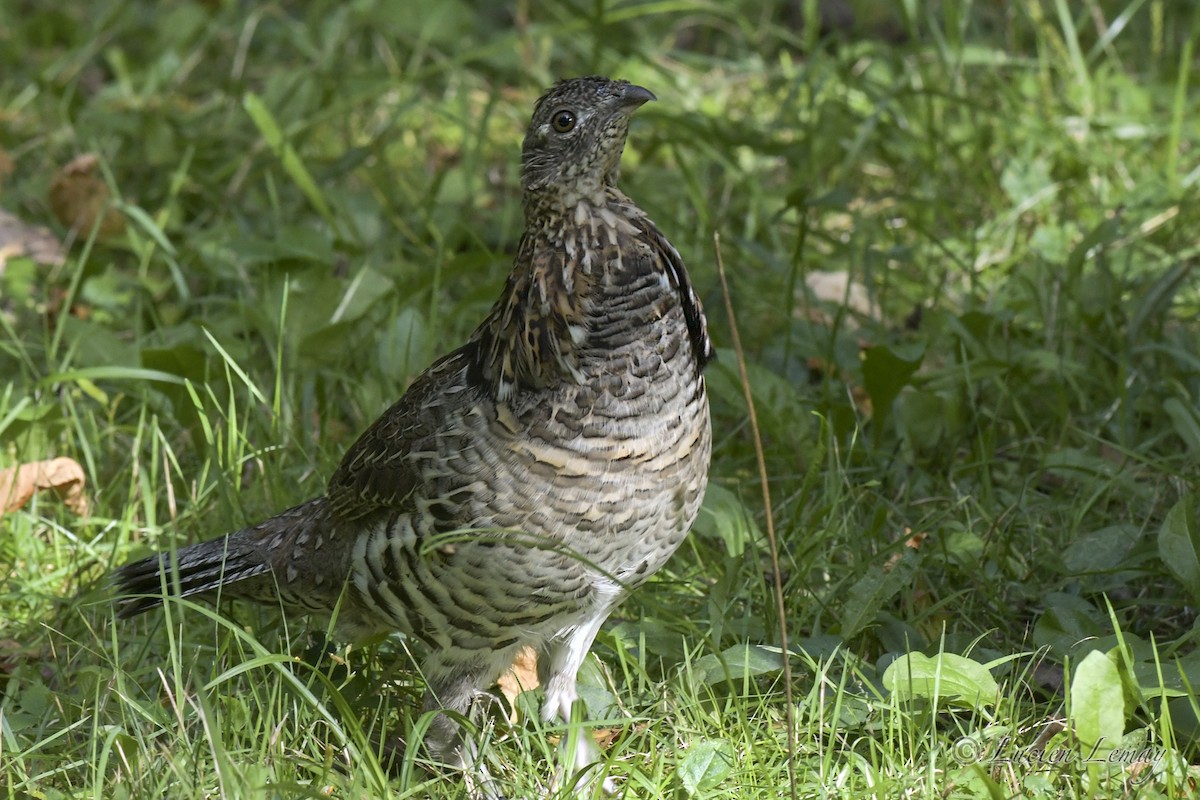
(913, 542)
(522, 676)
(6, 166)
(604, 737)
(62, 475)
(79, 197)
(1135, 769)
(19, 238)
(862, 400)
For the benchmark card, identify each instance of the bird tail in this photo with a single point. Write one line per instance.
(238, 564)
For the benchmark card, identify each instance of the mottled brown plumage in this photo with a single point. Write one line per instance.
(529, 479)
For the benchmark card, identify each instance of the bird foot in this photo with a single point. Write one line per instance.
(479, 783)
(587, 785)
(582, 765)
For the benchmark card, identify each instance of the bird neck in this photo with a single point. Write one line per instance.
(568, 264)
(547, 207)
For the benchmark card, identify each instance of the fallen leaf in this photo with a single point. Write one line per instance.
(19, 238)
(912, 542)
(63, 475)
(862, 400)
(522, 676)
(6, 166)
(79, 197)
(604, 737)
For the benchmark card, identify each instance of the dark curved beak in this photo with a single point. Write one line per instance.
(635, 95)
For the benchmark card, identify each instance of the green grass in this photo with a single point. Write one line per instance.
(320, 198)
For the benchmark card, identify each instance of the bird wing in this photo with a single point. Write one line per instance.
(378, 470)
(693, 310)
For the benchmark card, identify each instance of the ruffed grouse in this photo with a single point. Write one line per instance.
(527, 481)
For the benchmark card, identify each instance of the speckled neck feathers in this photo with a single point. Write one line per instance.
(587, 282)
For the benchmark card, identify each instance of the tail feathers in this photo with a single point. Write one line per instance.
(230, 563)
(200, 568)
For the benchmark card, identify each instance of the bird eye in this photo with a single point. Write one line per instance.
(563, 121)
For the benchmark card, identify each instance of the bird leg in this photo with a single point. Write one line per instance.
(558, 667)
(446, 741)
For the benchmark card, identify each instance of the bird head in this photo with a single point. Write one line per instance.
(573, 147)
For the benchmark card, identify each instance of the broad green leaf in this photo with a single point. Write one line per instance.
(1179, 546)
(1168, 676)
(593, 687)
(1027, 181)
(706, 765)
(818, 647)
(19, 280)
(1100, 550)
(1097, 702)
(736, 663)
(946, 675)
(872, 590)
(362, 292)
(184, 360)
(110, 290)
(965, 547)
(887, 370)
(403, 343)
(924, 418)
(775, 397)
(1185, 419)
(324, 313)
(1052, 241)
(1067, 621)
(298, 243)
(724, 517)
(36, 699)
